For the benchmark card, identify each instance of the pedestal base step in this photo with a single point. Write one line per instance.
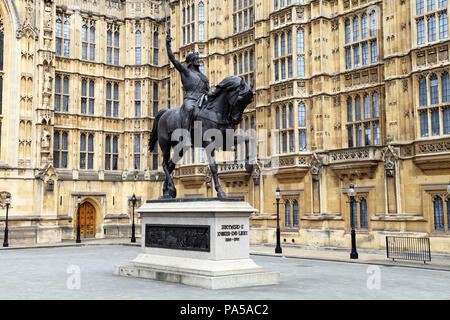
(208, 282)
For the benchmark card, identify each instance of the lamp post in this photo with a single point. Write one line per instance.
(133, 236)
(5, 239)
(78, 221)
(278, 196)
(351, 193)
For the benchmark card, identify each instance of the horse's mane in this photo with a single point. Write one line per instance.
(223, 86)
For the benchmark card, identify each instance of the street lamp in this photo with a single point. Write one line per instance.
(5, 239)
(78, 221)
(133, 237)
(351, 193)
(278, 196)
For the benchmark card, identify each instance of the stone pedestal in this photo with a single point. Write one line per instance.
(197, 242)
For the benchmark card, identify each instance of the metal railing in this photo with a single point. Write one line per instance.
(408, 248)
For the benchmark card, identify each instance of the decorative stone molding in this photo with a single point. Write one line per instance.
(390, 159)
(3, 196)
(315, 165)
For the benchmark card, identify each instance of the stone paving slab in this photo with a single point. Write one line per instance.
(441, 262)
(75, 273)
(365, 256)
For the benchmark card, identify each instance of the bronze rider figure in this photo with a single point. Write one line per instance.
(195, 84)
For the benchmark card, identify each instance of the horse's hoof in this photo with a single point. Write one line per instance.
(248, 167)
(173, 193)
(221, 195)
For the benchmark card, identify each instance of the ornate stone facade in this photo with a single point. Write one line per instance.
(83, 80)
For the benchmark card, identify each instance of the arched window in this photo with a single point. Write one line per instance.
(137, 100)
(108, 153)
(295, 215)
(155, 99)
(201, 11)
(202, 67)
(347, 31)
(137, 152)
(155, 48)
(287, 214)
(291, 116)
(235, 65)
(83, 151)
(302, 140)
(276, 46)
(364, 28)
(283, 117)
(445, 87)
(91, 96)
(366, 107)
(84, 38)
(283, 44)
(56, 138)
(83, 96)
(419, 7)
(116, 100)
(138, 47)
(375, 105)
(363, 218)
(434, 95)
(300, 41)
(92, 44)
(277, 118)
(241, 64)
(355, 29)
(357, 108)
(300, 66)
(91, 152)
(349, 109)
(438, 214)
(57, 93)
(373, 23)
(423, 101)
(108, 99)
(289, 41)
(301, 115)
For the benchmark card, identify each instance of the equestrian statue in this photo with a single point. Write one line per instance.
(220, 110)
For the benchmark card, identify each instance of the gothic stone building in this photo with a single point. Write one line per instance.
(347, 91)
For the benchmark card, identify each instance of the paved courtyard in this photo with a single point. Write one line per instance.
(87, 273)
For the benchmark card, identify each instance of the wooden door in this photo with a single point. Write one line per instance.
(87, 221)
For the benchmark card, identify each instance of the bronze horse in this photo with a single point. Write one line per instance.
(222, 112)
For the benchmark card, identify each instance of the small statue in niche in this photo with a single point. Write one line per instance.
(45, 139)
(47, 81)
(50, 184)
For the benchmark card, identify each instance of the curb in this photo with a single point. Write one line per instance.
(370, 262)
(69, 245)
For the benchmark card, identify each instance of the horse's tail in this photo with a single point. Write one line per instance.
(154, 133)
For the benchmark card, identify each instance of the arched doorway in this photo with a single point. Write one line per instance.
(87, 221)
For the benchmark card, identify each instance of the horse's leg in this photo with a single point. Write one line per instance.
(213, 167)
(167, 182)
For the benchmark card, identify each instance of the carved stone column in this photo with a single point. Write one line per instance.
(316, 165)
(390, 159)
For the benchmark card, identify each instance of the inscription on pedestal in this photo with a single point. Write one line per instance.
(181, 237)
(232, 232)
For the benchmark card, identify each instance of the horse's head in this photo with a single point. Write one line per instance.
(234, 95)
(239, 98)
